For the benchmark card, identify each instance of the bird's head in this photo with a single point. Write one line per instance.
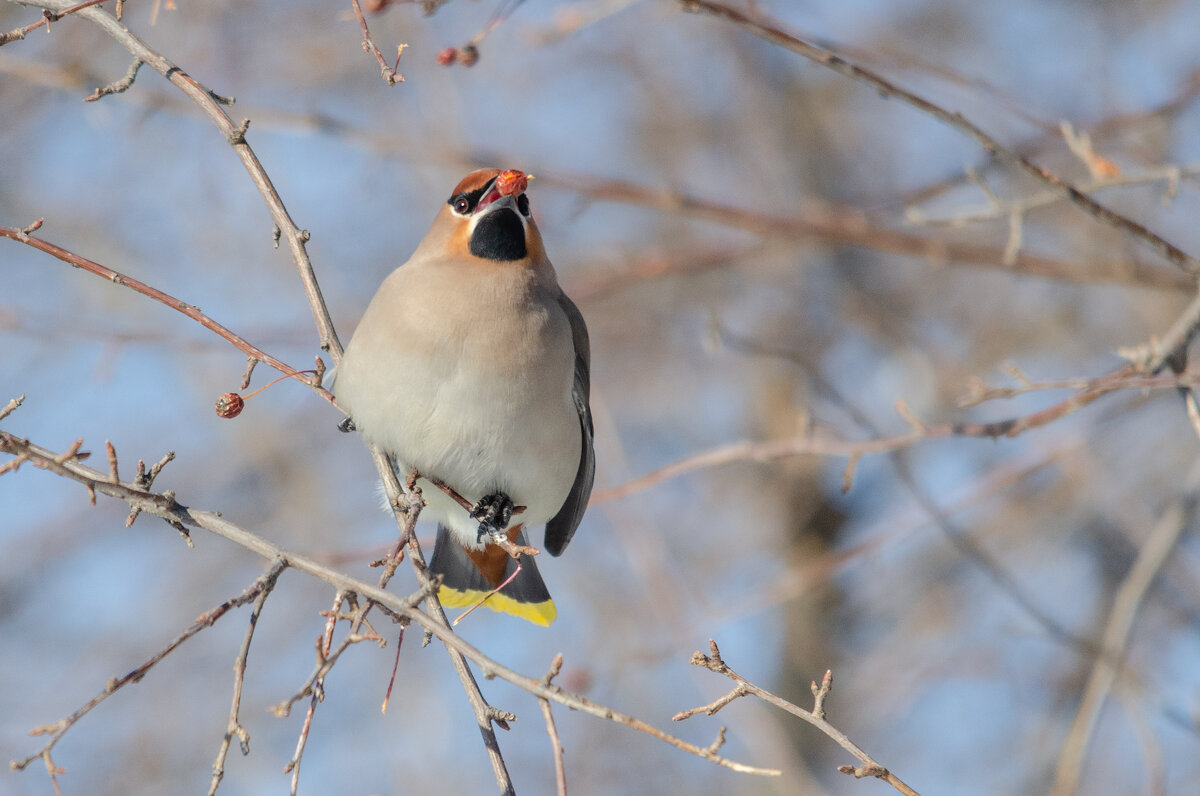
(488, 217)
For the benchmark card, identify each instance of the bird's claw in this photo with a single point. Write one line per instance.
(493, 512)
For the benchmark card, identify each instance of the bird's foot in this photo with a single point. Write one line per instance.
(493, 512)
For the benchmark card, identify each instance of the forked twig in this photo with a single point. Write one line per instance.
(816, 717)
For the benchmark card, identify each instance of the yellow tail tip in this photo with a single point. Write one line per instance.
(542, 613)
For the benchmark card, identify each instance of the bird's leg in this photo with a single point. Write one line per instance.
(493, 512)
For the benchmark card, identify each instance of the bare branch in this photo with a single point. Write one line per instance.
(59, 728)
(234, 727)
(11, 406)
(815, 717)
(213, 106)
(389, 73)
(118, 86)
(166, 507)
(47, 17)
(190, 310)
(848, 227)
(560, 771)
(768, 32)
(1132, 591)
(819, 443)
(406, 503)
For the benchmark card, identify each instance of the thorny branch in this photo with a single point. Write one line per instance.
(213, 106)
(406, 502)
(296, 238)
(58, 729)
(815, 717)
(166, 507)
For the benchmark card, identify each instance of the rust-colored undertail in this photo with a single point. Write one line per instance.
(469, 575)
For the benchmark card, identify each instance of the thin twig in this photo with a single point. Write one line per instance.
(996, 210)
(117, 86)
(815, 717)
(815, 442)
(214, 107)
(251, 362)
(11, 406)
(59, 728)
(190, 310)
(315, 687)
(234, 726)
(1153, 356)
(823, 444)
(848, 227)
(512, 548)
(560, 771)
(406, 502)
(293, 766)
(327, 656)
(389, 73)
(769, 32)
(144, 480)
(169, 509)
(20, 33)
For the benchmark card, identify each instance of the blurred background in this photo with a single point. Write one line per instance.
(761, 247)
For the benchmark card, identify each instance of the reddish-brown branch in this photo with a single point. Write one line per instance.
(513, 549)
(213, 107)
(189, 310)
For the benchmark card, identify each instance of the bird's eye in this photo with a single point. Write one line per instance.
(461, 205)
(523, 205)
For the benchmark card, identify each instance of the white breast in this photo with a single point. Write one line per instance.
(473, 388)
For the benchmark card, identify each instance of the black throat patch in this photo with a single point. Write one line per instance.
(499, 235)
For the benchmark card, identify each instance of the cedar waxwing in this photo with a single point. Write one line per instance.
(472, 366)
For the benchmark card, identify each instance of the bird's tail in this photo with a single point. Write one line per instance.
(469, 575)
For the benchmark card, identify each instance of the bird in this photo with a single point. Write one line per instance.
(472, 366)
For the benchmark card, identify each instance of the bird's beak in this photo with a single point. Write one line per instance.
(491, 195)
(492, 201)
(508, 185)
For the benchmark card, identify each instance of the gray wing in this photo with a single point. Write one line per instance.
(561, 527)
